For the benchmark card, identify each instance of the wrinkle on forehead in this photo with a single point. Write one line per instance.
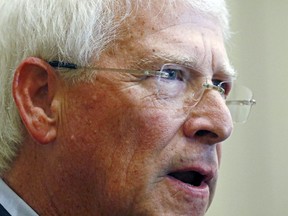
(165, 13)
(198, 51)
(190, 38)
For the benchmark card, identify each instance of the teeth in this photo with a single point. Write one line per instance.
(192, 178)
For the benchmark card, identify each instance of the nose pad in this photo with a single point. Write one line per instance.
(198, 93)
(210, 120)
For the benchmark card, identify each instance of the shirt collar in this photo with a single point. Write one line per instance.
(13, 203)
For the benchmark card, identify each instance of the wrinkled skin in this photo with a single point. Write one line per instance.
(113, 150)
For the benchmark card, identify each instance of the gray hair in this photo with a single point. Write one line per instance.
(71, 30)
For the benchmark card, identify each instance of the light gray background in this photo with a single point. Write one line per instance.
(254, 173)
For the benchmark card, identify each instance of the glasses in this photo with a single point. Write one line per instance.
(180, 87)
(240, 103)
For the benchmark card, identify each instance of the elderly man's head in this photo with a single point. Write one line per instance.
(113, 108)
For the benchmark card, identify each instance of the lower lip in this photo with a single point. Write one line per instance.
(190, 191)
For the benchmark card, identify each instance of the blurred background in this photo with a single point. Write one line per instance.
(254, 174)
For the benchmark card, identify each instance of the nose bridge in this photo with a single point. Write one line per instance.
(210, 119)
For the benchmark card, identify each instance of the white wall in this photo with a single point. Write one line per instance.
(254, 173)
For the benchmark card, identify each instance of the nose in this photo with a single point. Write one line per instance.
(209, 121)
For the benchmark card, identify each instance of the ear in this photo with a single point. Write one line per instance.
(34, 88)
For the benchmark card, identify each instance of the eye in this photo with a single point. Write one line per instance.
(226, 85)
(173, 74)
(172, 81)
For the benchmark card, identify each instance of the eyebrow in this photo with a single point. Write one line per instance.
(226, 69)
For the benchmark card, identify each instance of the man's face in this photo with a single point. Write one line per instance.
(120, 153)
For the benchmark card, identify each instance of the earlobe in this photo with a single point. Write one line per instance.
(34, 88)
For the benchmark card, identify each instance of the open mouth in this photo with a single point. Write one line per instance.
(190, 177)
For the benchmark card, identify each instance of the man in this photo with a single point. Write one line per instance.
(112, 107)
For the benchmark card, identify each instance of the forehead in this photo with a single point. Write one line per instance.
(176, 34)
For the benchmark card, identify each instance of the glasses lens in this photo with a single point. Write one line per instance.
(239, 103)
(179, 86)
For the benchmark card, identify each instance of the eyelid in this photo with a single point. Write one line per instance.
(224, 77)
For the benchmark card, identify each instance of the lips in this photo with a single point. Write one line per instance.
(192, 178)
(196, 178)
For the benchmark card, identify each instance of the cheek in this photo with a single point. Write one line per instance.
(114, 142)
(154, 128)
(116, 124)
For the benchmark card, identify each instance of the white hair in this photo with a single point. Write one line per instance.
(65, 30)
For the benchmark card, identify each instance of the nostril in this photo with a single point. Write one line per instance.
(206, 133)
(206, 130)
